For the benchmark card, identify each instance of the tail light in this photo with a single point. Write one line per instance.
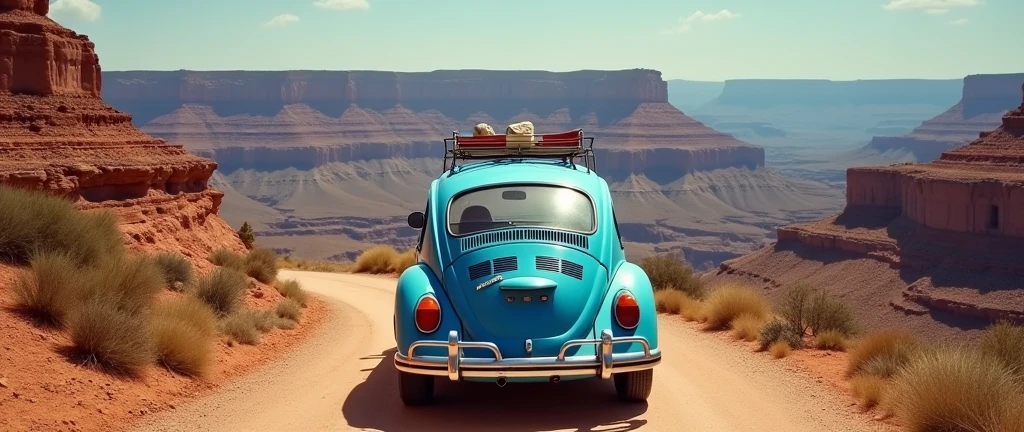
(627, 311)
(428, 315)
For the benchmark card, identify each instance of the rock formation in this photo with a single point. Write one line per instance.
(985, 99)
(57, 134)
(942, 240)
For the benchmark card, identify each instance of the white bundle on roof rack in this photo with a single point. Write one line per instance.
(520, 135)
(483, 129)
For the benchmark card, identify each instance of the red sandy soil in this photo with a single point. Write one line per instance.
(40, 389)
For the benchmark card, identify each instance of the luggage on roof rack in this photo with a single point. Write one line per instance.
(562, 145)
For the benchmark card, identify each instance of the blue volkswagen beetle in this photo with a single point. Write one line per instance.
(521, 275)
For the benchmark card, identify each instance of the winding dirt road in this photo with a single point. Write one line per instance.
(343, 378)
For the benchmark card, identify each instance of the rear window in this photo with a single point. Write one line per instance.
(521, 205)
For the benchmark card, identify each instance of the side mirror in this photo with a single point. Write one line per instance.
(416, 220)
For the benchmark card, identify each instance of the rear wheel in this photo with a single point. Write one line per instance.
(415, 389)
(634, 386)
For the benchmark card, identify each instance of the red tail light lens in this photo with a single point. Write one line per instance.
(627, 311)
(428, 315)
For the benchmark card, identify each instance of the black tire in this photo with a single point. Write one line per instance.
(634, 386)
(415, 389)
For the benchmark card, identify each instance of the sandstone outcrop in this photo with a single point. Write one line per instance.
(946, 235)
(57, 134)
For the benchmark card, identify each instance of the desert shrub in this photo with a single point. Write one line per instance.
(175, 268)
(831, 340)
(776, 330)
(794, 305)
(376, 260)
(953, 389)
(826, 312)
(730, 301)
(779, 349)
(404, 260)
(868, 389)
(885, 350)
(289, 309)
(128, 283)
(241, 326)
(691, 309)
(667, 272)
(293, 290)
(112, 338)
(48, 289)
(286, 324)
(222, 289)
(294, 263)
(261, 264)
(34, 222)
(246, 234)
(747, 327)
(1006, 343)
(183, 332)
(669, 301)
(226, 258)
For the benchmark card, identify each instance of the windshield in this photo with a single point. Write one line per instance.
(531, 205)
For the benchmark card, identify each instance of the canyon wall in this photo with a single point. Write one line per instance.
(57, 135)
(764, 93)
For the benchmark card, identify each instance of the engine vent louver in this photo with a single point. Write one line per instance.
(524, 234)
(556, 265)
(506, 264)
(501, 265)
(479, 270)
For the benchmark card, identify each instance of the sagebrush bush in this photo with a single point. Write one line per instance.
(667, 272)
(728, 302)
(49, 289)
(777, 330)
(794, 305)
(955, 389)
(112, 338)
(226, 258)
(747, 327)
(886, 350)
(289, 309)
(293, 290)
(127, 282)
(831, 340)
(779, 349)
(1005, 342)
(868, 389)
(175, 267)
(669, 301)
(261, 264)
(183, 332)
(34, 222)
(222, 289)
(826, 312)
(376, 260)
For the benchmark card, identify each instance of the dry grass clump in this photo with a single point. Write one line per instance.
(869, 390)
(288, 309)
(33, 222)
(293, 290)
(881, 353)
(729, 302)
(222, 289)
(692, 310)
(780, 349)
(747, 327)
(404, 260)
(261, 264)
(226, 258)
(954, 389)
(47, 291)
(667, 272)
(245, 325)
(376, 260)
(114, 339)
(294, 263)
(176, 269)
(777, 330)
(669, 301)
(183, 331)
(127, 283)
(1005, 342)
(831, 340)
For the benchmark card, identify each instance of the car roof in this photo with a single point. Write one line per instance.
(473, 175)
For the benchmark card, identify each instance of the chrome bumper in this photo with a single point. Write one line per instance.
(456, 367)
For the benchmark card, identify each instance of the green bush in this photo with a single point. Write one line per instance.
(261, 264)
(34, 222)
(247, 236)
(49, 289)
(176, 269)
(794, 305)
(776, 330)
(827, 313)
(667, 272)
(222, 289)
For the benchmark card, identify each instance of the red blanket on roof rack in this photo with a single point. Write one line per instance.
(572, 138)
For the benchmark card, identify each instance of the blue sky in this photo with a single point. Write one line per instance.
(698, 39)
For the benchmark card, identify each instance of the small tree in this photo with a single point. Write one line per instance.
(245, 233)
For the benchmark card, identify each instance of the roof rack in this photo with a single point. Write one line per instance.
(563, 145)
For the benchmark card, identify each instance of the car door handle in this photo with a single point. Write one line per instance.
(527, 283)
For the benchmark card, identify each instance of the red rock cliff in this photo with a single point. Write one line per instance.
(56, 134)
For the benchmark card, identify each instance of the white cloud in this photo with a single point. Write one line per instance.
(281, 20)
(342, 4)
(84, 10)
(960, 22)
(929, 6)
(686, 24)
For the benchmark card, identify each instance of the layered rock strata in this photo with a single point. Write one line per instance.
(57, 135)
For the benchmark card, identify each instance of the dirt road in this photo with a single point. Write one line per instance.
(343, 378)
